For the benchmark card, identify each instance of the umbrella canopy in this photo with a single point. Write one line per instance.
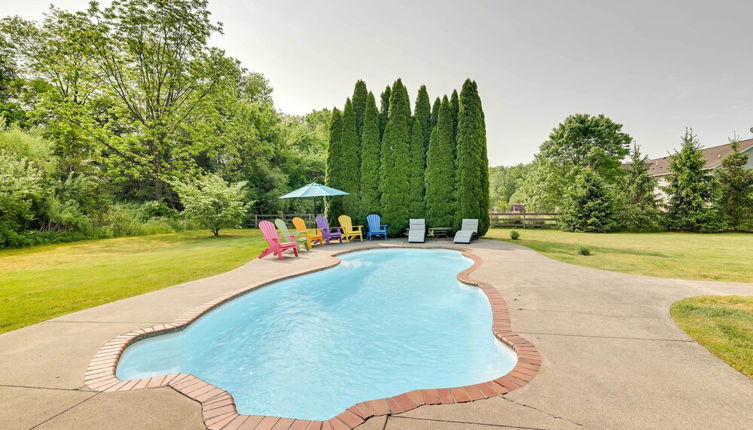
(314, 190)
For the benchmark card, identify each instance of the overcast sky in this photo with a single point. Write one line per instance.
(654, 66)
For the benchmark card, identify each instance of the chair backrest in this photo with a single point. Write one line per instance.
(284, 232)
(269, 232)
(417, 224)
(299, 224)
(374, 221)
(346, 223)
(470, 224)
(322, 223)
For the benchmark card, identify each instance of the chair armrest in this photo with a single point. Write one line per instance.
(384, 226)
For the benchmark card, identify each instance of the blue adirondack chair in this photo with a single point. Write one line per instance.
(328, 232)
(376, 228)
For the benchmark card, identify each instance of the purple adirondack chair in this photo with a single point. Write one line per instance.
(275, 247)
(327, 231)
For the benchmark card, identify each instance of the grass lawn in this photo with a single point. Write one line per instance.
(719, 257)
(722, 324)
(43, 282)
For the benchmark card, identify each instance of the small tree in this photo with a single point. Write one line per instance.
(690, 190)
(735, 190)
(638, 208)
(370, 160)
(212, 202)
(588, 205)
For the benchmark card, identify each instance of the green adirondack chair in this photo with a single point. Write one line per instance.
(285, 234)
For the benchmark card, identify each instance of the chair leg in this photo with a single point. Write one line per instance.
(265, 253)
(295, 251)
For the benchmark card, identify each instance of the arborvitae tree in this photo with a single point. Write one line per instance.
(370, 160)
(455, 111)
(440, 171)
(334, 151)
(690, 190)
(359, 104)
(435, 113)
(588, 205)
(736, 190)
(394, 168)
(350, 164)
(472, 189)
(638, 205)
(385, 110)
(416, 168)
(422, 111)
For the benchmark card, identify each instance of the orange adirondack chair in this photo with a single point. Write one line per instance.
(275, 247)
(349, 230)
(312, 234)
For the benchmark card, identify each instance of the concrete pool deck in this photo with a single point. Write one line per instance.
(611, 355)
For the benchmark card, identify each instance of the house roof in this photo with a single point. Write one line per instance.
(713, 156)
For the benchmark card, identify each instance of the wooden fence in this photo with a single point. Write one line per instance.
(524, 219)
(309, 218)
(498, 219)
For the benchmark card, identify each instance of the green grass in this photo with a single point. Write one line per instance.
(43, 282)
(722, 324)
(719, 257)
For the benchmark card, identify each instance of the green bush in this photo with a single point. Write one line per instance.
(589, 205)
(584, 251)
(514, 235)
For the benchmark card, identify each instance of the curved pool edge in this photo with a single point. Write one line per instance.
(218, 406)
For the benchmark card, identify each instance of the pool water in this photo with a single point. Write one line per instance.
(381, 323)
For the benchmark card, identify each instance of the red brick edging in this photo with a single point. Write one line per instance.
(218, 406)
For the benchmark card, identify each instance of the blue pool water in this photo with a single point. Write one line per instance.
(381, 323)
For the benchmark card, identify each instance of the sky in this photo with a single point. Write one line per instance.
(654, 66)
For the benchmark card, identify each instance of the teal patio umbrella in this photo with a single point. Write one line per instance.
(314, 190)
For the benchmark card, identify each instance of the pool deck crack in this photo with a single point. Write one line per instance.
(554, 416)
(589, 313)
(94, 394)
(80, 390)
(509, 426)
(606, 337)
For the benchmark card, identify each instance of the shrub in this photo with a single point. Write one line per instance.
(212, 202)
(584, 251)
(514, 235)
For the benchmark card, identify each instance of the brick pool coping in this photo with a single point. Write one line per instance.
(218, 406)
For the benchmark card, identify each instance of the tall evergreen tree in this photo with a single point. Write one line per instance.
(455, 111)
(370, 160)
(359, 104)
(736, 190)
(638, 207)
(422, 111)
(416, 169)
(350, 165)
(472, 190)
(334, 151)
(435, 113)
(588, 205)
(394, 168)
(440, 171)
(690, 189)
(385, 110)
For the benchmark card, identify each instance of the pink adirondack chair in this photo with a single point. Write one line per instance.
(275, 247)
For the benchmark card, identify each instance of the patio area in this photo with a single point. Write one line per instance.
(611, 354)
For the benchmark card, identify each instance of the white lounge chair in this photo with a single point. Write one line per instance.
(468, 231)
(417, 230)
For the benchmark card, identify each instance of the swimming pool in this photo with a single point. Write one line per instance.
(381, 323)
